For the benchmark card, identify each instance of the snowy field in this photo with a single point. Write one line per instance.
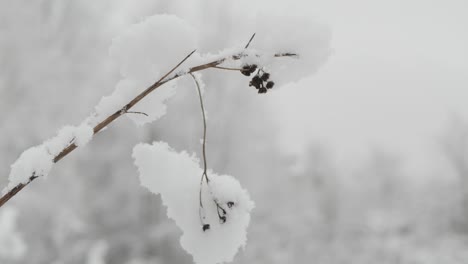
(338, 134)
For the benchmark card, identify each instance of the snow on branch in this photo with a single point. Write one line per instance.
(37, 161)
(176, 176)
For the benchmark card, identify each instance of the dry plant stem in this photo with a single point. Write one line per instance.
(136, 112)
(219, 209)
(250, 40)
(166, 78)
(204, 127)
(204, 175)
(228, 69)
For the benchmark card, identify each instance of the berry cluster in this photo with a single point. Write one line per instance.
(248, 69)
(222, 214)
(260, 81)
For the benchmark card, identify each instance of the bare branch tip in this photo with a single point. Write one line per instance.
(192, 52)
(250, 40)
(136, 112)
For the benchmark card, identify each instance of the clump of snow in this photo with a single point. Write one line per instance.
(56, 144)
(144, 53)
(79, 135)
(153, 46)
(83, 135)
(176, 176)
(37, 161)
(12, 246)
(147, 50)
(302, 36)
(154, 104)
(291, 34)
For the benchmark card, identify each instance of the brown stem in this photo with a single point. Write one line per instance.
(250, 40)
(166, 78)
(204, 127)
(136, 112)
(226, 68)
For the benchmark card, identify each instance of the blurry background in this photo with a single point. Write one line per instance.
(364, 161)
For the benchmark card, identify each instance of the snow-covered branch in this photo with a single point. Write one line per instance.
(30, 166)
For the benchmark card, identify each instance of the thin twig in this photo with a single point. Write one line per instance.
(155, 85)
(219, 208)
(204, 127)
(226, 68)
(5, 198)
(286, 54)
(136, 112)
(166, 78)
(250, 40)
(201, 211)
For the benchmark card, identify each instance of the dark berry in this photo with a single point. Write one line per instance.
(256, 82)
(246, 70)
(246, 73)
(206, 227)
(252, 68)
(222, 219)
(265, 76)
(262, 90)
(270, 84)
(230, 204)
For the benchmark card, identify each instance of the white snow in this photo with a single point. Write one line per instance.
(38, 160)
(176, 176)
(153, 105)
(79, 135)
(35, 161)
(83, 134)
(56, 144)
(144, 53)
(291, 34)
(153, 46)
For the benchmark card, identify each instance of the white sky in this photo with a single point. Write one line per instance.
(397, 75)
